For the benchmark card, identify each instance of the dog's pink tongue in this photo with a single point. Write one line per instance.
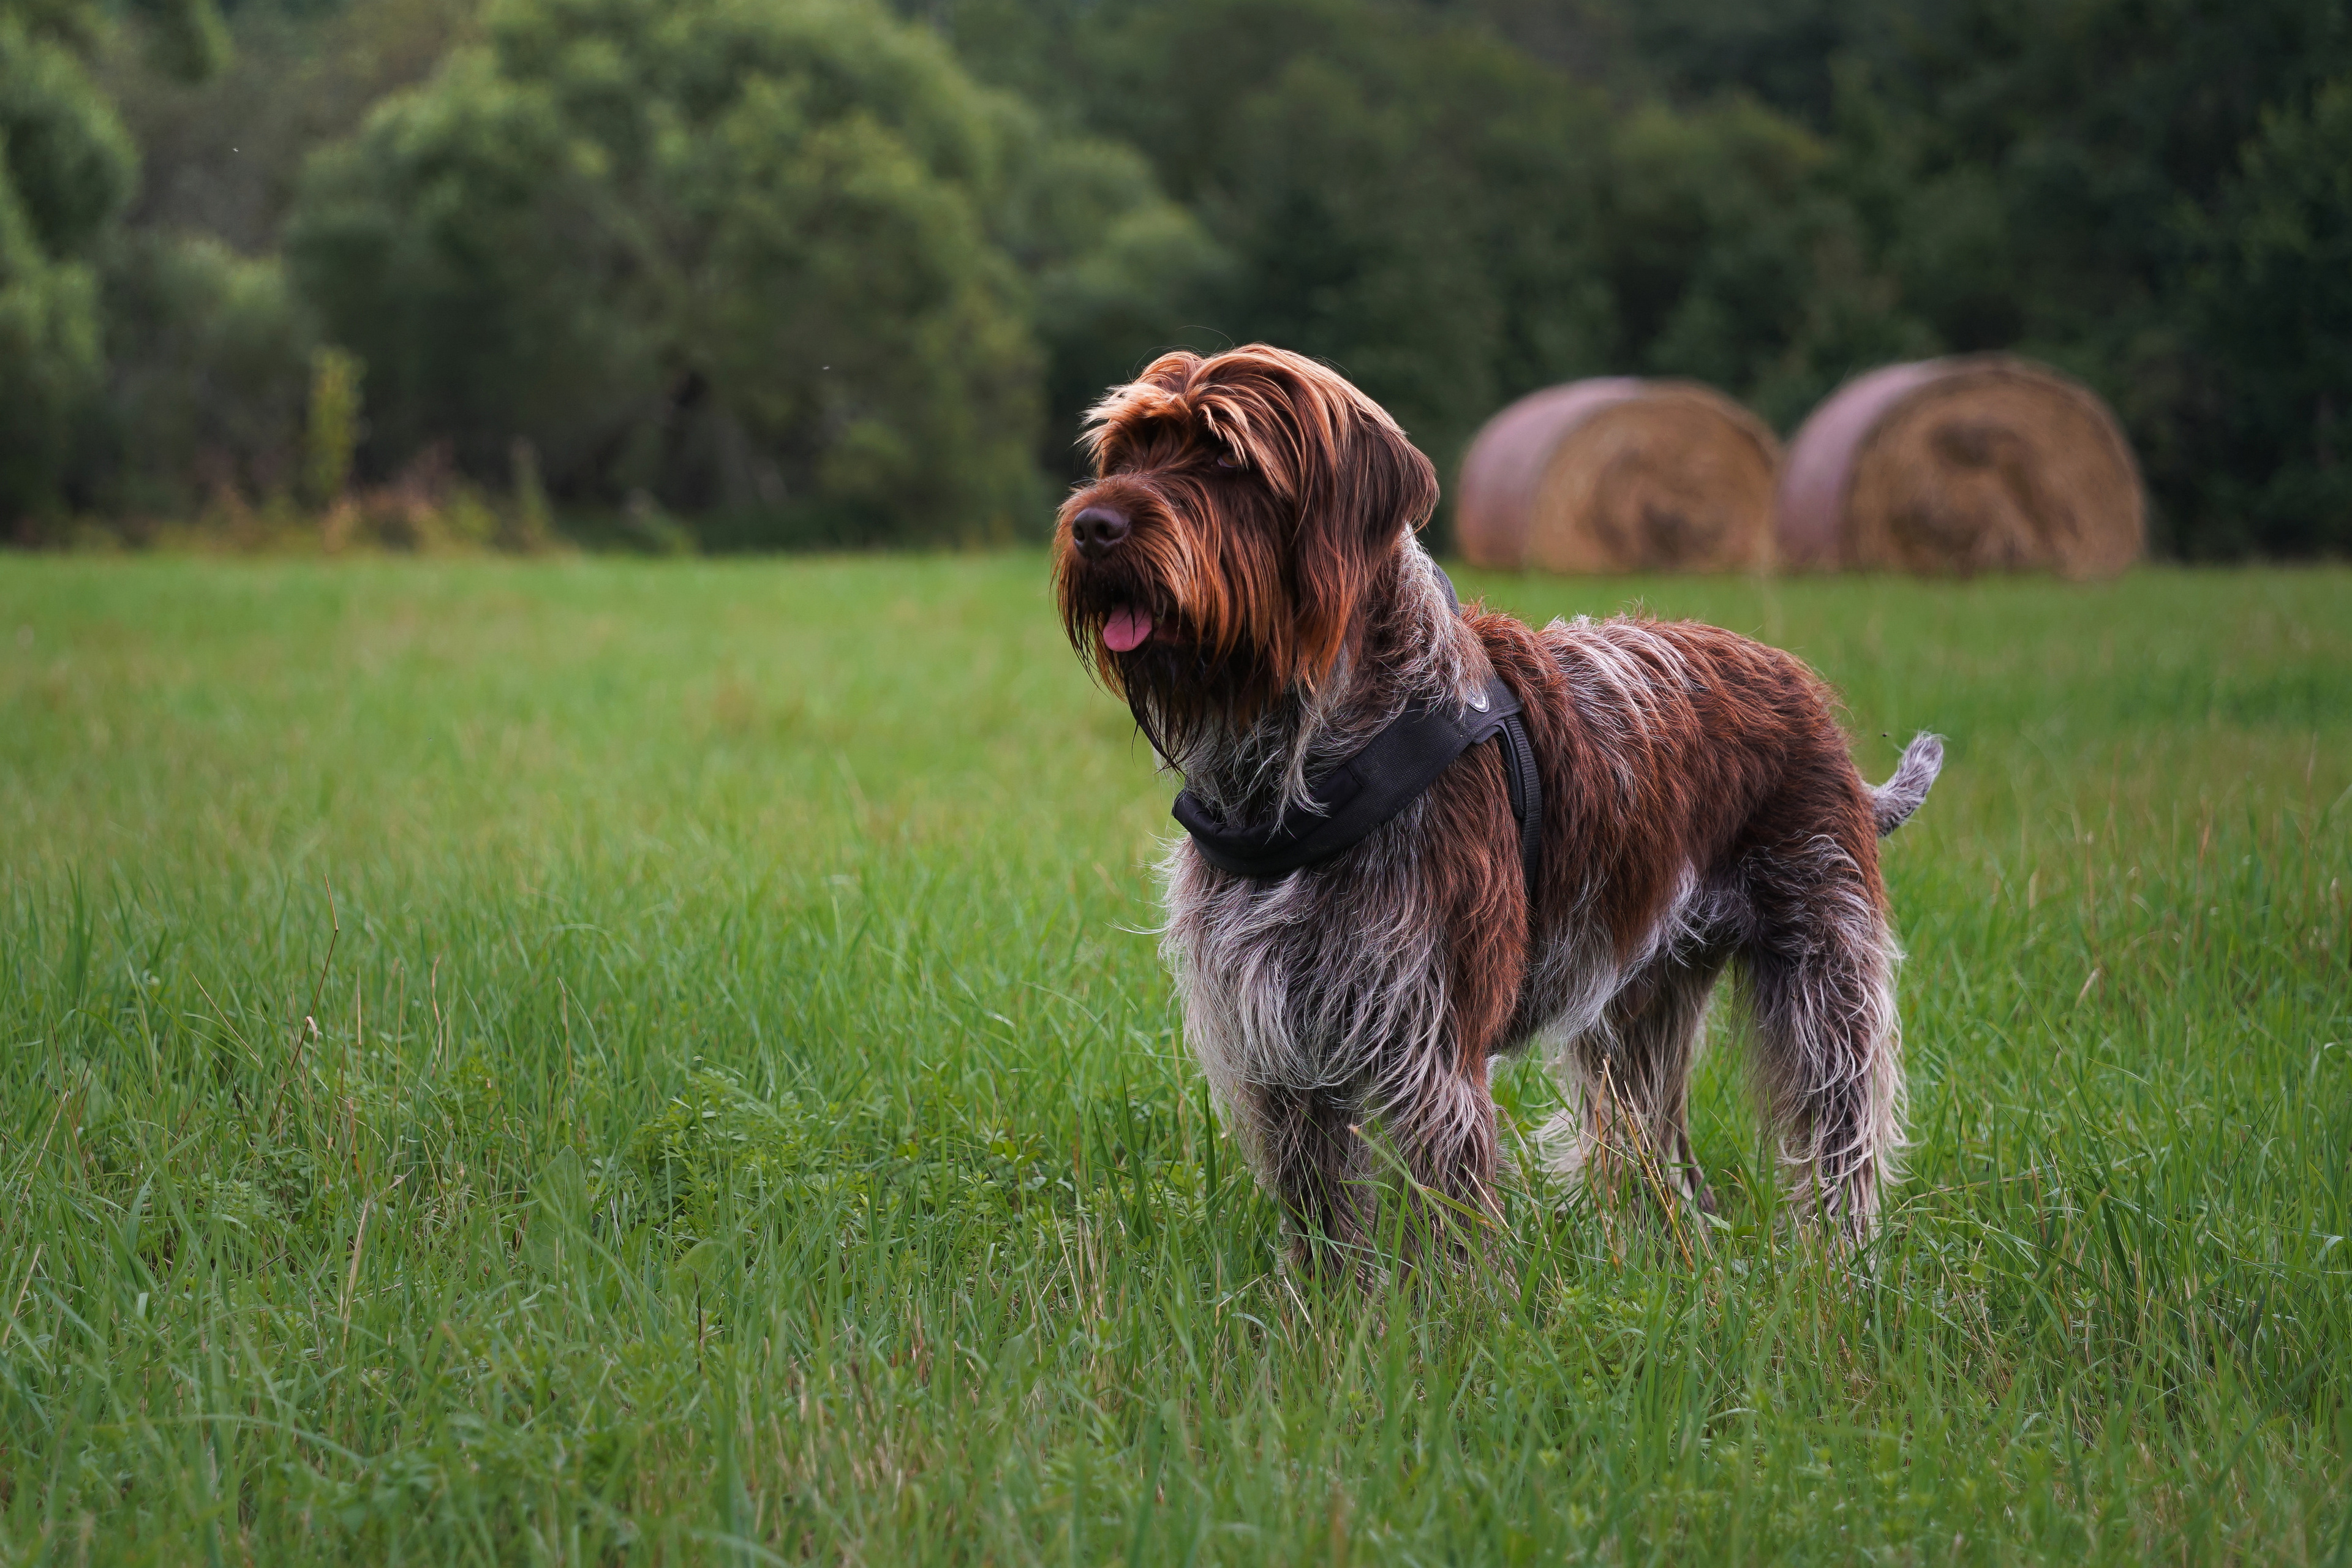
(1126, 629)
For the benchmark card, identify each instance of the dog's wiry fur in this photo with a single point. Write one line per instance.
(1699, 811)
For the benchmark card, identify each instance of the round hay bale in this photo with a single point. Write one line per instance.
(1619, 474)
(1951, 467)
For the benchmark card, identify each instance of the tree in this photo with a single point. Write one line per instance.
(1733, 258)
(1414, 201)
(2081, 181)
(776, 260)
(2063, 179)
(1454, 223)
(206, 361)
(2275, 312)
(67, 169)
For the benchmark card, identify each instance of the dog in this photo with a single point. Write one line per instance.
(1245, 570)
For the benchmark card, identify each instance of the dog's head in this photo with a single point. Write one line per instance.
(1243, 507)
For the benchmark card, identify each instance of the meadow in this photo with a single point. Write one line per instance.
(610, 1061)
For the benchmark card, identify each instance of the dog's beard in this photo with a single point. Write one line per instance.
(1191, 659)
(1186, 696)
(1185, 689)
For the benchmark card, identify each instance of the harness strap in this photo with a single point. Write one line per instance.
(1519, 772)
(1527, 798)
(1388, 773)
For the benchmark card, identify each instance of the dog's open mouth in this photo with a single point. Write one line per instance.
(1126, 630)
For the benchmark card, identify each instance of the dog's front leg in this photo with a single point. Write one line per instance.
(1442, 1125)
(1311, 1153)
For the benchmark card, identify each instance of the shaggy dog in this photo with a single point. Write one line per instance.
(1244, 572)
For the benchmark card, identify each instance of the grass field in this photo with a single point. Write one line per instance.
(615, 1062)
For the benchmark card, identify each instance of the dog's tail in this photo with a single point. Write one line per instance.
(1893, 802)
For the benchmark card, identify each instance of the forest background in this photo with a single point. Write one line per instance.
(763, 273)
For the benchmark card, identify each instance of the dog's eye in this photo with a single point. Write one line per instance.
(1230, 463)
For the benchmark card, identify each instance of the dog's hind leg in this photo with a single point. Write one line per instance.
(1628, 1081)
(1821, 962)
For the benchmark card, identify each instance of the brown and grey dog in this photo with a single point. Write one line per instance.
(1244, 571)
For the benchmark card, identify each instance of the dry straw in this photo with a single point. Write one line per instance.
(1619, 474)
(1959, 466)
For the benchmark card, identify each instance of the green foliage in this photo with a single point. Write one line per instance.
(48, 341)
(66, 167)
(2102, 145)
(1415, 202)
(1774, 198)
(534, 519)
(2073, 181)
(209, 360)
(1453, 223)
(69, 164)
(751, 256)
(743, 1099)
(186, 39)
(332, 433)
(1113, 267)
(222, 156)
(757, 272)
(2277, 313)
(1733, 259)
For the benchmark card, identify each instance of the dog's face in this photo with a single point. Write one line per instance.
(1240, 509)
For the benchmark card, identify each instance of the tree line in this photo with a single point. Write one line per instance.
(752, 273)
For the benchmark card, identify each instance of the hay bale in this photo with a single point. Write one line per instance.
(1619, 474)
(1956, 466)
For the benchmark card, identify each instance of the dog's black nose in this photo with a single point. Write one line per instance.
(1098, 531)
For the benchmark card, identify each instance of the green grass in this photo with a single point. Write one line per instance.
(730, 1109)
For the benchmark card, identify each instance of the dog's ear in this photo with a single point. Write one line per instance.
(1363, 486)
(1381, 483)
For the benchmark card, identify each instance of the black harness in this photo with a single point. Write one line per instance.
(1389, 773)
